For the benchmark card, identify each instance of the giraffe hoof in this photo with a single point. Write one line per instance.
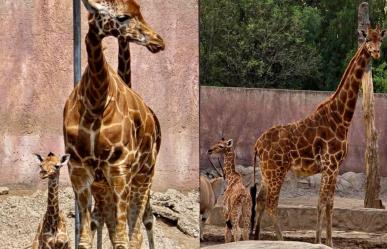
(121, 247)
(84, 246)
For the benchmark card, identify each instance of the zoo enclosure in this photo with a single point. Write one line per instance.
(243, 114)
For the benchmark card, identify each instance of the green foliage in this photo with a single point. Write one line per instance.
(297, 44)
(380, 78)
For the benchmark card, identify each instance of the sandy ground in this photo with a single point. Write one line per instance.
(22, 210)
(342, 239)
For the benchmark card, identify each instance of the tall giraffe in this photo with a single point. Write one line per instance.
(112, 136)
(103, 213)
(315, 144)
(237, 200)
(52, 231)
(125, 72)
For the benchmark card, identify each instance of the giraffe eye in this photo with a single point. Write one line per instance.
(123, 18)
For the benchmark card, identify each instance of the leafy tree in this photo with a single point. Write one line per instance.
(380, 78)
(297, 44)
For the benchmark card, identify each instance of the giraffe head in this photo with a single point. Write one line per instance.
(373, 39)
(50, 165)
(122, 19)
(221, 146)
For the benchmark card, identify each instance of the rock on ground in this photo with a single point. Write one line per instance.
(4, 190)
(268, 245)
(179, 209)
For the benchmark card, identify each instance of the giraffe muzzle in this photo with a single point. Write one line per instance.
(156, 46)
(43, 174)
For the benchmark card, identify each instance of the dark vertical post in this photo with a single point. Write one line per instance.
(77, 77)
(77, 40)
(372, 199)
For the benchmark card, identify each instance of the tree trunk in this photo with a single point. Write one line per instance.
(372, 190)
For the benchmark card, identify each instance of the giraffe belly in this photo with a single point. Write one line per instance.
(305, 167)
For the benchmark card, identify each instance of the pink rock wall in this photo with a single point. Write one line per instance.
(36, 73)
(244, 114)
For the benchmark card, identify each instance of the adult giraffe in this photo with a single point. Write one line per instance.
(112, 136)
(315, 144)
(103, 212)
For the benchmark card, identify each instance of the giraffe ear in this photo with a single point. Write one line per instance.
(229, 143)
(39, 157)
(64, 159)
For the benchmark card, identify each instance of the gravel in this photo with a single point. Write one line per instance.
(20, 216)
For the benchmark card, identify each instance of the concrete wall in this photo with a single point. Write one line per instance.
(243, 114)
(36, 77)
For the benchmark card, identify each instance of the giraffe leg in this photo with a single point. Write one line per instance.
(245, 217)
(329, 215)
(228, 233)
(81, 180)
(274, 188)
(139, 195)
(320, 213)
(148, 221)
(119, 181)
(235, 215)
(327, 190)
(260, 208)
(35, 243)
(97, 225)
(228, 228)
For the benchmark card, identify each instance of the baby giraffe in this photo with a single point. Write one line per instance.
(52, 232)
(237, 201)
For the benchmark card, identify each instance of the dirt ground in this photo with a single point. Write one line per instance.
(22, 209)
(341, 240)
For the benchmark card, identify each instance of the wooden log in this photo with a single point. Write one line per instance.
(372, 191)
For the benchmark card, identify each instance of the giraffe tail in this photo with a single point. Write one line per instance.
(253, 194)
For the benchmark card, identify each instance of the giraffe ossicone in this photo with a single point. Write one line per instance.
(112, 135)
(52, 231)
(315, 144)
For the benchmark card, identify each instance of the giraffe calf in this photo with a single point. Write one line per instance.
(237, 201)
(52, 231)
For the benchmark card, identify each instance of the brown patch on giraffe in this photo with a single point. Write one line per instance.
(359, 73)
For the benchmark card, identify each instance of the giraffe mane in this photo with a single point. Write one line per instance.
(345, 75)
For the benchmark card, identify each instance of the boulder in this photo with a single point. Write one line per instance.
(4, 190)
(180, 209)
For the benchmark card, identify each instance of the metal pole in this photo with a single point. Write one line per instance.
(77, 40)
(77, 77)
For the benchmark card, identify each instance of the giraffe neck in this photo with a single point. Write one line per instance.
(124, 70)
(95, 81)
(229, 163)
(343, 102)
(52, 214)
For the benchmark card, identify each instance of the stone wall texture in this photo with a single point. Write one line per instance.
(36, 76)
(244, 114)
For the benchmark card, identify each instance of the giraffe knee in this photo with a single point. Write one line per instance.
(148, 226)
